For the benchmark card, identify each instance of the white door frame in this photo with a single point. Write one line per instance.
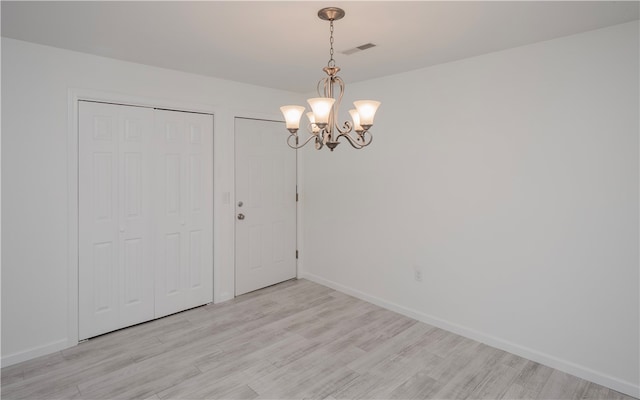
(75, 95)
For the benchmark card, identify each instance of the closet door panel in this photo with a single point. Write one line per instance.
(114, 216)
(136, 216)
(199, 209)
(184, 258)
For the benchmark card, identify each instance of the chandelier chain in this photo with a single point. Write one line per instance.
(332, 62)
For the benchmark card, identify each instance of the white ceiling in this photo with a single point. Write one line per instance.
(284, 45)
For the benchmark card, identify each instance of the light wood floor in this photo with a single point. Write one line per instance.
(294, 340)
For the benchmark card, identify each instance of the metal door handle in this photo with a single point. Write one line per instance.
(240, 216)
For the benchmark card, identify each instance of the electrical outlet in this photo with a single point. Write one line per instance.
(417, 274)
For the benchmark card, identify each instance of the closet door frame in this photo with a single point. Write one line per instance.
(74, 96)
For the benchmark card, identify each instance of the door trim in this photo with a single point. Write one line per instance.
(74, 95)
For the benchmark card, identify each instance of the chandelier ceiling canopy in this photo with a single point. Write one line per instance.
(323, 126)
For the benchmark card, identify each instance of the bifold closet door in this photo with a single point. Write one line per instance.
(145, 185)
(184, 210)
(116, 285)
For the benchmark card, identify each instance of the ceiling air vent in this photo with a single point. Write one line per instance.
(359, 48)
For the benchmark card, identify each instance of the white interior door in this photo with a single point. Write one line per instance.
(115, 257)
(183, 143)
(265, 170)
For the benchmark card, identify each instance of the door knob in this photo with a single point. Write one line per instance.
(240, 216)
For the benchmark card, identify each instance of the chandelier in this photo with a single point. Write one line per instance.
(323, 124)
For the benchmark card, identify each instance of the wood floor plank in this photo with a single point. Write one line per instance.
(37, 366)
(95, 351)
(464, 353)
(358, 388)
(135, 384)
(444, 343)
(418, 386)
(462, 383)
(330, 318)
(318, 362)
(243, 392)
(398, 369)
(495, 383)
(283, 311)
(529, 383)
(12, 374)
(61, 380)
(298, 379)
(229, 363)
(561, 385)
(389, 347)
(300, 320)
(329, 384)
(208, 386)
(594, 391)
(376, 337)
(295, 340)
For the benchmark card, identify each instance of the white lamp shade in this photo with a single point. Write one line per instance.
(355, 117)
(312, 120)
(292, 115)
(367, 110)
(321, 107)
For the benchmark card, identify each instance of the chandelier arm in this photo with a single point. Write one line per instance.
(346, 128)
(363, 136)
(360, 142)
(326, 82)
(351, 141)
(297, 146)
(321, 81)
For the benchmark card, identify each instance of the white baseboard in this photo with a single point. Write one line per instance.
(34, 352)
(580, 371)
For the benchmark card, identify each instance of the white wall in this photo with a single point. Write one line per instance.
(35, 84)
(511, 180)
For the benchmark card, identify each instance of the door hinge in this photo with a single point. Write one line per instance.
(297, 197)
(296, 254)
